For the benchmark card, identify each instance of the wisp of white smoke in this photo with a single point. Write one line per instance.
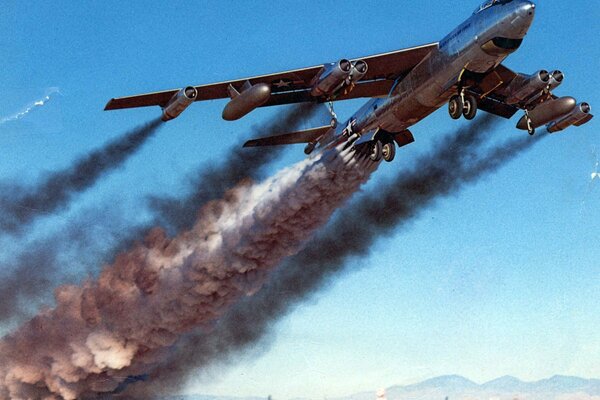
(30, 107)
(124, 323)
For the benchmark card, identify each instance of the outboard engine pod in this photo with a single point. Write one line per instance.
(579, 116)
(179, 102)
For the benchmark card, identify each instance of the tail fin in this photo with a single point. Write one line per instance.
(306, 136)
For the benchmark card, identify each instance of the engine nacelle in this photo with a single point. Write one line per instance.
(331, 78)
(579, 116)
(359, 69)
(251, 97)
(548, 111)
(523, 90)
(556, 78)
(179, 102)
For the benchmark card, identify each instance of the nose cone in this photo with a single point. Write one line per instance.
(523, 17)
(527, 9)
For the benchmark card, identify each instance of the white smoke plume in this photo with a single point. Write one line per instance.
(50, 92)
(124, 323)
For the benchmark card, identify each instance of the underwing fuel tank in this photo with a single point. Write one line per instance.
(579, 116)
(179, 102)
(547, 112)
(246, 101)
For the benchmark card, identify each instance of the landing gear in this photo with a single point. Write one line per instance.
(388, 151)
(530, 128)
(462, 105)
(309, 148)
(375, 151)
(334, 120)
(469, 107)
(455, 107)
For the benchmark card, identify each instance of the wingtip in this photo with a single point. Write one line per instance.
(108, 105)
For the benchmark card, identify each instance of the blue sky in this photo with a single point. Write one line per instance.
(503, 278)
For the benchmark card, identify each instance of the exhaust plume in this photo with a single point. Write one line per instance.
(125, 322)
(38, 103)
(455, 162)
(39, 261)
(21, 206)
(211, 182)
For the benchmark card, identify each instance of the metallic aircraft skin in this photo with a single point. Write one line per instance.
(432, 82)
(463, 70)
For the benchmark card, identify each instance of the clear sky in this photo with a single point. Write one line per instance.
(503, 278)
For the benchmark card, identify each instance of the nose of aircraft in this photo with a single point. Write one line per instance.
(527, 9)
(524, 17)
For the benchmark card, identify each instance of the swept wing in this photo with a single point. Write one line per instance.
(295, 86)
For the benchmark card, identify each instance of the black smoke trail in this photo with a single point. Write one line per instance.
(454, 163)
(21, 206)
(29, 279)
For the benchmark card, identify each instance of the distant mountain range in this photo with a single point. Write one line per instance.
(505, 388)
(456, 387)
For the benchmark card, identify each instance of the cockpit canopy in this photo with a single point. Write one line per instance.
(490, 3)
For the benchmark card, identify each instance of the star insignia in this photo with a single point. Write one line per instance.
(281, 83)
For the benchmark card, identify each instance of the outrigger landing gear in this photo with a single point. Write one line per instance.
(462, 104)
(530, 128)
(334, 119)
(309, 148)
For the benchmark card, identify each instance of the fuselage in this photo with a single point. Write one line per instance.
(478, 45)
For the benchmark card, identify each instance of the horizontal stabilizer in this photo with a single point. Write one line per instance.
(305, 136)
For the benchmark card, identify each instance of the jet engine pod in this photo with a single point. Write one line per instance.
(556, 78)
(359, 69)
(246, 101)
(579, 116)
(523, 90)
(331, 78)
(548, 111)
(179, 102)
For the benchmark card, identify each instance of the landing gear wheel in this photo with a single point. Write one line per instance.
(333, 123)
(388, 151)
(455, 107)
(375, 151)
(470, 107)
(530, 128)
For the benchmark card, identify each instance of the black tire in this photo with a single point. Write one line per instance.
(375, 151)
(470, 107)
(455, 107)
(388, 151)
